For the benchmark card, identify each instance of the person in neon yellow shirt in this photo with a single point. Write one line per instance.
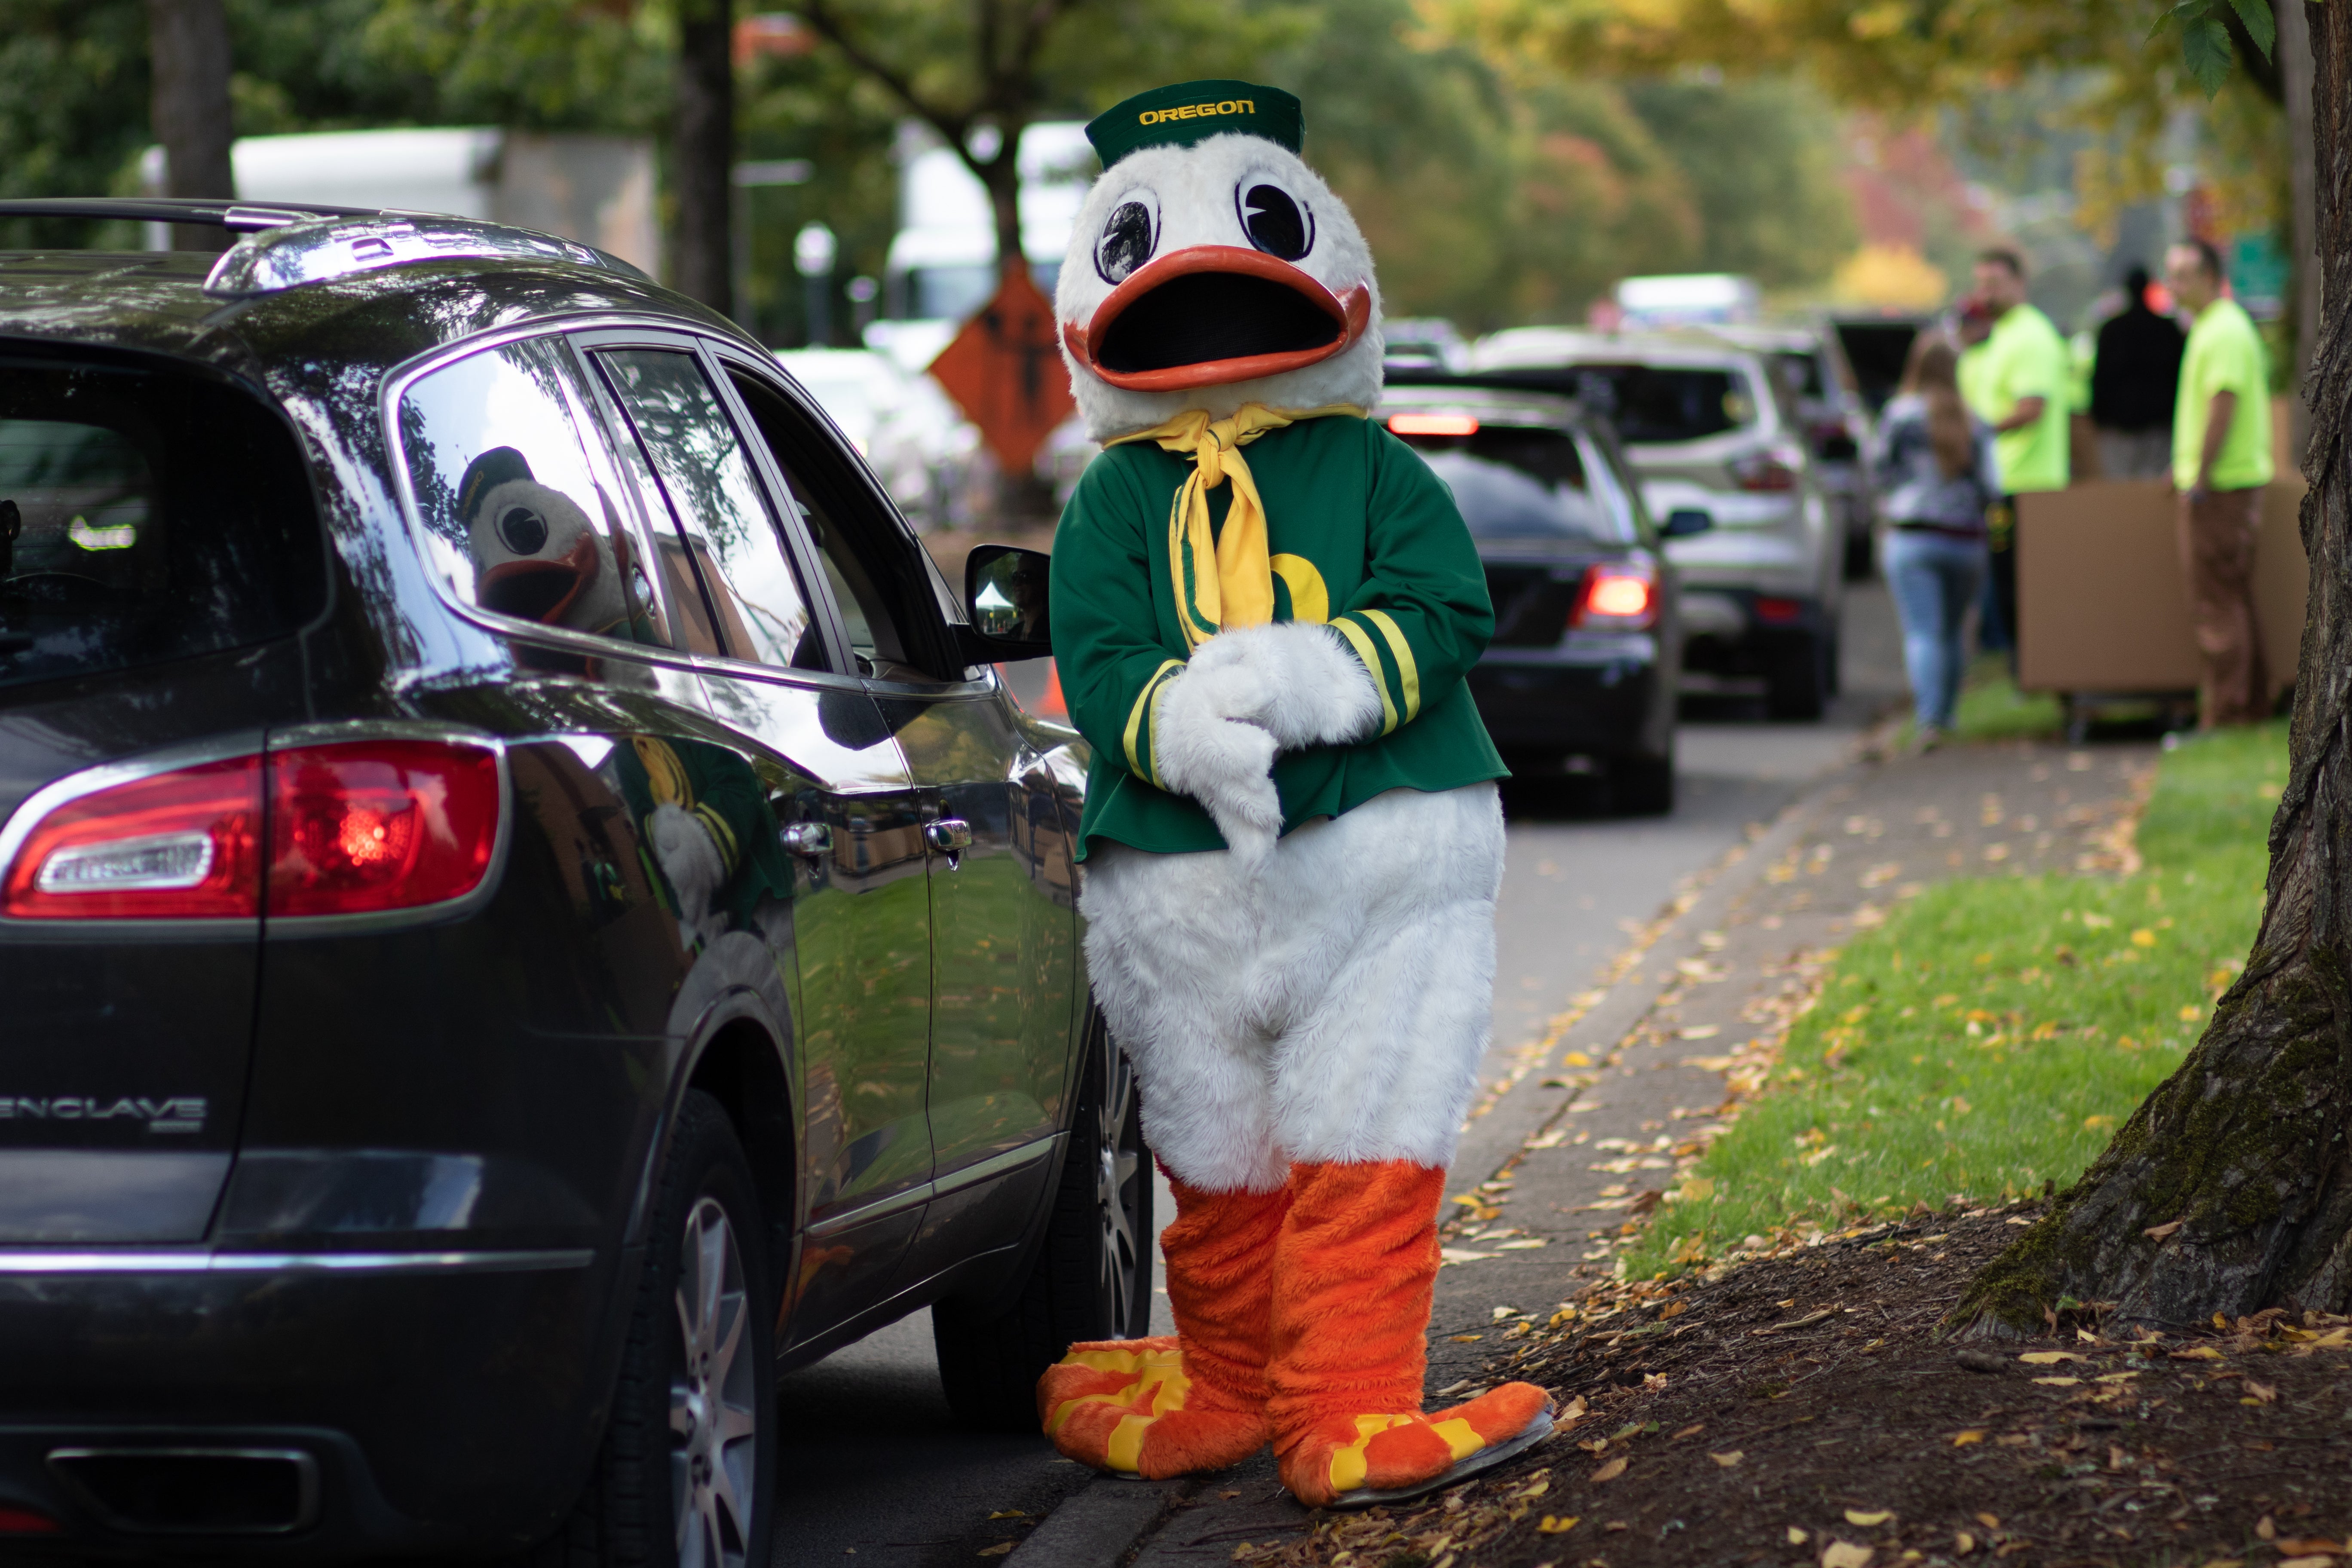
(2021, 385)
(2220, 463)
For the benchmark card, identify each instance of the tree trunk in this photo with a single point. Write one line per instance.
(2294, 74)
(2245, 1145)
(187, 41)
(702, 152)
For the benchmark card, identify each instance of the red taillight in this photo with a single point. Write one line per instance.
(25, 1521)
(379, 824)
(1779, 612)
(1774, 469)
(354, 827)
(1617, 598)
(178, 845)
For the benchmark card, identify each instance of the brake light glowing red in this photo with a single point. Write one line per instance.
(25, 1521)
(179, 846)
(1617, 597)
(379, 824)
(1779, 612)
(353, 827)
(1434, 423)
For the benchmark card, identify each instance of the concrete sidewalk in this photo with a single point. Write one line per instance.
(1587, 1120)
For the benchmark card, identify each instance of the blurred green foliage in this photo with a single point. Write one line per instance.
(1489, 200)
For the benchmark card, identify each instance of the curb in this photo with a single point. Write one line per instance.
(1097, 1528)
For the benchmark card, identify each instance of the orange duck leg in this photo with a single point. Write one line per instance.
(1195, 1400)
(1355, 1272)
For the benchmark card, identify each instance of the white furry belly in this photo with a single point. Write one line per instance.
(1334, 1008)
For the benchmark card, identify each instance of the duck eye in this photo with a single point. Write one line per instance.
(523, 530)
(1276, 221)
(1129, 238)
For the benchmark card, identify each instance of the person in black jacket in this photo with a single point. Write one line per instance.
(2132, 385)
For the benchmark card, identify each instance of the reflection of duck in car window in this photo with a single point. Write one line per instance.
(538, 557)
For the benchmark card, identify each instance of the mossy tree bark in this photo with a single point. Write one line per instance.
(2246, 1144)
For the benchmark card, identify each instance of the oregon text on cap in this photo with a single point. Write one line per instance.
(1197, 110)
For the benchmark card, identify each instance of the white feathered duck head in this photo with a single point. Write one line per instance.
(537, 556)
(1211, 266)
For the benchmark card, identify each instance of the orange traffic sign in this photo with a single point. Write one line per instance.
(1005, 370)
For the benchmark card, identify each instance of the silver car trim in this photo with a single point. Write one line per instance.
(954, 1181)
(50, 1261)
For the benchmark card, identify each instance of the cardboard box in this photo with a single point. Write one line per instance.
(2101, 602)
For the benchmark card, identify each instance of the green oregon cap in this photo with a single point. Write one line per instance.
(1193, 111)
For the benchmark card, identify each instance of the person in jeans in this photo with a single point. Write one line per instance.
(1934, 462)
(2221, 462)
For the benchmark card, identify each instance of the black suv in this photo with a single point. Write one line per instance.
(525, 908)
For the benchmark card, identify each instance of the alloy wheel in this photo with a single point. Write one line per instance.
(714, 1415)
(1119, 1193)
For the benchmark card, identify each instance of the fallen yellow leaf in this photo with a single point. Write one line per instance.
(2320, 1561)
(2263, 1393)
(1844, 1554)
(2159, 1232)
(1534, 1489)
(1796, 1536)
(2058, 1381)
(1610, 1471)
(1877, 1516)
(1552, 1525)
(1989, 1522)
(2196, 1352)
(1963, 1543)
(2049, 1358)
(999, 1550)
(2115, 1377)
(1465, 1339)
(1575, 1408)
(1728, 1460)
(1575, 1059)
(1008, 1513)
(1962, 1439)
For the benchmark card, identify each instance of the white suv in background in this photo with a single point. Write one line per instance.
(1706, 424)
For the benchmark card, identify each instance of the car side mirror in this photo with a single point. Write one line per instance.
(1686, 521)
(1004, 590)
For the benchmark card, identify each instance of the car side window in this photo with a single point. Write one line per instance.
(856, 569)
(706, 482)
(520, 512)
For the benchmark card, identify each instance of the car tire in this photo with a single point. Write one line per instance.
(1090, 1275)
(1642, 786)
(1797, 681)
(685, 1476)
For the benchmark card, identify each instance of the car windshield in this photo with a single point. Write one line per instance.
(144, 516)
(1520, 482)
(1676, 403)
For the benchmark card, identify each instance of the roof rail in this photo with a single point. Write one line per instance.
(290, 244)
(240, 217)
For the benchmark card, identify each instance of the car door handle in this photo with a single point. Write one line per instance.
(949, 834)
(810, 838)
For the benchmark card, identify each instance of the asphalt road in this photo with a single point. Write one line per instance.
(872, 1470)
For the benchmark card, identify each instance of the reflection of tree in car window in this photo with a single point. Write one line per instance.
(706, 476)
(1520, 482)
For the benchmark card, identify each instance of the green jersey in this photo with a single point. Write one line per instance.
(2224, 353)
(2025, 357)
(1363, 537)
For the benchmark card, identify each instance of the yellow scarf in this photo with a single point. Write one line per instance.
(1240, 591)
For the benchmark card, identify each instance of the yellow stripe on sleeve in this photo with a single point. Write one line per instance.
(1408, 673)
(1363, 643)
(1138, 715)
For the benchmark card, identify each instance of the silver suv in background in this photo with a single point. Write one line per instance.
(1813, 372)
(1709, 427)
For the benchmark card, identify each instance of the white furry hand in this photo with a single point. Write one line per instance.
(1224, 763)
(1294, 679)
(692, 863)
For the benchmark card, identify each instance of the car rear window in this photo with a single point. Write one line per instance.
(145, 515)
(1522, 482)
(1673, 402)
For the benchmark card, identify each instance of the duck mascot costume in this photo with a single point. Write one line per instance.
(1264, 608)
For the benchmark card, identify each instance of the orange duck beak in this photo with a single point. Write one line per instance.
(536, 589)
(1213, 314)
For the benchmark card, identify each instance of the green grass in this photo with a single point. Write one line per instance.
(1991, 707)
(1992, 1034)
